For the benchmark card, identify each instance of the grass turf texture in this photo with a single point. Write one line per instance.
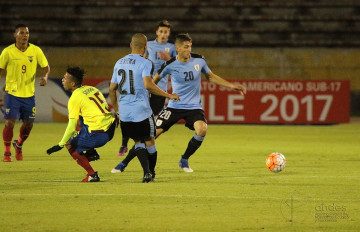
(230, 190)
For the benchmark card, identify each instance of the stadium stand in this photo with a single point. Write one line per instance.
(243, 23)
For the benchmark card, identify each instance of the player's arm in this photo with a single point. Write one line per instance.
(164, 55)
(220, 81)
(112, 95)
(156, 78)
(70, 130)
(154, 89)
(1, 72)
(44, 78)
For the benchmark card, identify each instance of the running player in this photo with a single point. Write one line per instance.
(20, 61)
(88, 105)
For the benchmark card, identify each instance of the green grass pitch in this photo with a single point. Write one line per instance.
(230, 189)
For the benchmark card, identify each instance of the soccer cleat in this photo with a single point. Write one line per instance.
(18, 151)
(91, 178)
(92, 155)
(119, 168)
(122, 151)
(7, 157)
(147, 178)
(184, 164)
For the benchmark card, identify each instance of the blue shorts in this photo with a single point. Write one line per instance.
(22, 107)
(83, 140)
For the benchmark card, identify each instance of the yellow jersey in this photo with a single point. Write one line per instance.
(88, 102)
(21, 69)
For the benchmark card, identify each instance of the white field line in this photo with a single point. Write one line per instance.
(168, 196)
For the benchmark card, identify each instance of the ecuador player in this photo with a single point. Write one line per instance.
(97, 123)
(20, 61)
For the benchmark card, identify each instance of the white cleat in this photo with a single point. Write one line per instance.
(187, 169)
(114, 170)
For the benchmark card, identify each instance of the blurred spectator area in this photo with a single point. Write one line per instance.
(242, 23)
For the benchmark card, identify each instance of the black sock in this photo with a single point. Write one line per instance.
(152, 163)
(192, 147)
(125, 141)
(142, 155)
(130, 156)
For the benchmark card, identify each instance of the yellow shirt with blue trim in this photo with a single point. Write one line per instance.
(21, 69)
(88, 102)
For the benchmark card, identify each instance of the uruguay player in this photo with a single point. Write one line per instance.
(133, 75)
(158, 51)
(185, 70)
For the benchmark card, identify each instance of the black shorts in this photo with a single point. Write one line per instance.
(157, 103)
(169, 116)
(139, 131)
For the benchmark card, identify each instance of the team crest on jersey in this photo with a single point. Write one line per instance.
(167, 50)
(197, 67)
(31, 58)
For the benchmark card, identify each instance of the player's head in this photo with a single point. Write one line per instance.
(73, 78)
(21, 33)
(138, 43)
(163, 31)
(183, 43)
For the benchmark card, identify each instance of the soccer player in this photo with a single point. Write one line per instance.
(158, 51)
(88, 105)
(20, 61)
(133, 76)
(185, 70)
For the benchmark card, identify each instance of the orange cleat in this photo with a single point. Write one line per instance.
(7, 157)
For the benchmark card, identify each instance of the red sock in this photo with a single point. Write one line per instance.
(7, 137)
(81, 160)
(24, 134)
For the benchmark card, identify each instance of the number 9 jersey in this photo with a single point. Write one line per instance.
(21, 69)
(128, 74)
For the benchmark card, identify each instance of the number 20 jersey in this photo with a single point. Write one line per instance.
(185, 80)
(128, 73)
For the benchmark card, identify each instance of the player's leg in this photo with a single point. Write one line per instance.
(12, 107)
(123, 149)
(27, 114)
(198, 119)
(151, 149)
(7, 137)
(143, 156)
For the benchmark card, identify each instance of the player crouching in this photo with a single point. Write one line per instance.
(97, 123)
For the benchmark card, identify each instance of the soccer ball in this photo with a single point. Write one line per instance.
(275, 162)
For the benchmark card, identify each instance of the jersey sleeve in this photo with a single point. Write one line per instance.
(42, 61)
(114, 76)
(173, 51)
(148, 69)
(205, 69)
(4, 58)
(74, 108)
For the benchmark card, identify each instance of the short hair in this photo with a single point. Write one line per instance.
(181, 38)
(77, 74)
(20, 25)
(163, 23)
(138, 40)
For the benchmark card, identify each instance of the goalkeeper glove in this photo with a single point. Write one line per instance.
(53, 149)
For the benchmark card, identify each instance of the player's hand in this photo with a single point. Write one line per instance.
(117, 120)
(174, 97)
(239, 88)
(43, 81)
(164, 55)
(53, 149)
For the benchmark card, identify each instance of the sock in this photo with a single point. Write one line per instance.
(125, 141)
(81, 160)
(142, 155)
(152, 158)
(7, 137)
(130, 156)
(24, 134)
(194, 143)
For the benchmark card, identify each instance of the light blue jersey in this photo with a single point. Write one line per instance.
(128, 73)
(185, 80)
(153, 47)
